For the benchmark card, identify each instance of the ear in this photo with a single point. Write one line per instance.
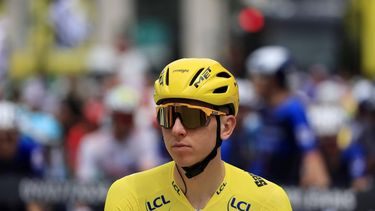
(228, 123)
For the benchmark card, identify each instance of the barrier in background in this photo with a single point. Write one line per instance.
(14, 190)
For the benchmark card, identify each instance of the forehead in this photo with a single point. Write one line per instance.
(260, 76)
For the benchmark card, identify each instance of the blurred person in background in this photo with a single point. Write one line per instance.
(343, 154)
(197, 104)
(40, 122)
(368, 135)
(20, 156)
(239, 150)
(120, 147)
(362, 129)
(318, 73)
(91, 114)
(286, 149)
(80, 111)
(37, 121)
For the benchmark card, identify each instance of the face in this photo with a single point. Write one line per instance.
(189, 146)
(188, 136)
(262, 84)
(8, 144)
(122, 124)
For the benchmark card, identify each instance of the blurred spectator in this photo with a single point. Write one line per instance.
(363, 126)
(35, 122)
(20, 156)
(286, 149)
(317, 74)
(120, 147)
(92, 115)
(343, 155)
(42, 125)
(240, 149)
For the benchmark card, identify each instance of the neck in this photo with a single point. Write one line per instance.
(200, 188)
(278, 97)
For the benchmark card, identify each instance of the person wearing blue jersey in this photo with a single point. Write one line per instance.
(20, 157)
(285, 146)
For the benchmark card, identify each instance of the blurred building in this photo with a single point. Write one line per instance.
(336, 33)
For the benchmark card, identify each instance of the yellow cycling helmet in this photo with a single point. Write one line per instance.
(200, 79)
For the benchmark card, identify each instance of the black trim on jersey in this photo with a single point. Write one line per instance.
(194, 170)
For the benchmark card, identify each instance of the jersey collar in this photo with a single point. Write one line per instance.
(219, 194)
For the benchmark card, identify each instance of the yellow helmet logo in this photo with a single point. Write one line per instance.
(203, 77)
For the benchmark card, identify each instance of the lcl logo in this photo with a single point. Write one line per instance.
(236, 204)
(156, 203)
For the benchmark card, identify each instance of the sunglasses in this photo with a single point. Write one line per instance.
(191, 116)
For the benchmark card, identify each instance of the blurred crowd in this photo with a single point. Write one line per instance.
(305, 128)
(308, 128)
(297, 127)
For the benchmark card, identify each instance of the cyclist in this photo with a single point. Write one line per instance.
(197, 104)
(20, 157)
(286, 149)
(119, 147)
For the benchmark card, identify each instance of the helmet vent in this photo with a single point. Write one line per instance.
(223, 75)
(167, 77)
(196, 76)
(222, 89)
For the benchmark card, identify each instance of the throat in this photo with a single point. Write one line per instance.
(199, 201)
(200, 189)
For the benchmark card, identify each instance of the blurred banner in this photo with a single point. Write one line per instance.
(15, 190)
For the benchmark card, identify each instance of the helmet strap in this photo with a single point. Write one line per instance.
(194, 170)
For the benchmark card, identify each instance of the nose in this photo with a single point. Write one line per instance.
(178, 128)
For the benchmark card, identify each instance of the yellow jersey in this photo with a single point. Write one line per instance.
(156, 190)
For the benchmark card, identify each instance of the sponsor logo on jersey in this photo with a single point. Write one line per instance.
(221, 188)
(259, 181)
(203, 76)
(237, 204)
(157, 203)
(176, 188)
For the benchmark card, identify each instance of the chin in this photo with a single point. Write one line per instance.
(184, 161)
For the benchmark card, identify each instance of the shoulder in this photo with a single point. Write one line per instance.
(246, 179)
(295, 104)
(128, 192)
(293, 109)
(144, 180)
(263, 191)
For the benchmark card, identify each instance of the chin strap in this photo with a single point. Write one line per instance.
(194, 170)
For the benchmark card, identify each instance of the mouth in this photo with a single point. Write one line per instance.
(180, 145)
